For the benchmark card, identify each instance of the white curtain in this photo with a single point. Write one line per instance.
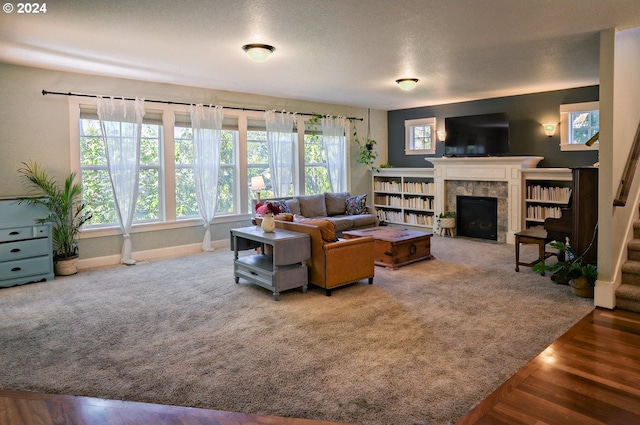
(206, 122)
(335, 145)
(121, 124)
(280, 143)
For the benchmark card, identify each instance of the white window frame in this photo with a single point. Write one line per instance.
(565, 126)
(242, 201)
(409, 130)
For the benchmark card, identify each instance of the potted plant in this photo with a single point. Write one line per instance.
(446, 220)
(67, 213)
(570, 270)
(367, 153)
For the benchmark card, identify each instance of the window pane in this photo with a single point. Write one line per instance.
(316, 180)
(422, 137)
(148, 205)
(98, 195)
(584, 125)
(186, 203)
(225, 191)
(258, 174)
(91, 143)
(183, 138)
(314, 152)
(150, 145)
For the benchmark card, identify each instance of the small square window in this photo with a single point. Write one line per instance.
(420, 136)
(579, 122)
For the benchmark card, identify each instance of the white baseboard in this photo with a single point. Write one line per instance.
(152, 254)
(604, 294)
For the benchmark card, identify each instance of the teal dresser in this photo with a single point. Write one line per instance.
(26, 251)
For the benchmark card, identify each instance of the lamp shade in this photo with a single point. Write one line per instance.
(258, 52)
(407, 83)
(549, 129)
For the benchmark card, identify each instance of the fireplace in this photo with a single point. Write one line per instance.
(496, 177)
(477, 217)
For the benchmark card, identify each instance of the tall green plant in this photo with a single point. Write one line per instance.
(66, 211)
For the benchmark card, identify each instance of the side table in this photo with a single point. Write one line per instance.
(285, 267)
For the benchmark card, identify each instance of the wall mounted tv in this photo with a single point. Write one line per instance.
(477, 135)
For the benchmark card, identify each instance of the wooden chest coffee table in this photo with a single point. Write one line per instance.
(394, 246)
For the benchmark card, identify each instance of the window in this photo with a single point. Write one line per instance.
(420, 136)
(316, 176)
(258, 174)
(186, 203)
(579, 122)
(95, 176)
(167, 196)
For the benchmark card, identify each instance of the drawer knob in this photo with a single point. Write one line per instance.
(15, 232)
(16, 250)
(16, 269)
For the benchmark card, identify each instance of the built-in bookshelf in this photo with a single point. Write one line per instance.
(404, 196)
(547, 191)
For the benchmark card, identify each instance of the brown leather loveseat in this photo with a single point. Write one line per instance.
(334, 262)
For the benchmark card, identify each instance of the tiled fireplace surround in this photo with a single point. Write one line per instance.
(496, 177)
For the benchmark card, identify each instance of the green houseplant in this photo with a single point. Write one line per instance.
(446, 220)
(67, 213)
(570, 269)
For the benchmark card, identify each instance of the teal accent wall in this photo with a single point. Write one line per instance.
(527, 113)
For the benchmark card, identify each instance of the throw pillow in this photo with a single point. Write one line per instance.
(327, 229)
(335, 202)
(284, 207)
(312, 205)
(356, 205)
(294, 205)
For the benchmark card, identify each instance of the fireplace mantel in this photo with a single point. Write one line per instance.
(500, 169)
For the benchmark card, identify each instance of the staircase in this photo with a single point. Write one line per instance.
(628, 293)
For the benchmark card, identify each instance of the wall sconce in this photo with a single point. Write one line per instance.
(407, 83)
(549, 129)
(258, 52)
(441, 135)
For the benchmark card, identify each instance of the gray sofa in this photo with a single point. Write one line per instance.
(331, 206)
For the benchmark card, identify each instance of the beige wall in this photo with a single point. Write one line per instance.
(36, 128)
(619, 120)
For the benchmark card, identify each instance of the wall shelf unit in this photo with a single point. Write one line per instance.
(546, 191)
(404, 196)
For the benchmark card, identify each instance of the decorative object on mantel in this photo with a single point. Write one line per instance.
(67, 213)
(446, 223)
(268, 210)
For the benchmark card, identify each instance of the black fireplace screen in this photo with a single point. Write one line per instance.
(477, 217)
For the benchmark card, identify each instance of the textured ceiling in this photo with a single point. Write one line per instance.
(337, 51)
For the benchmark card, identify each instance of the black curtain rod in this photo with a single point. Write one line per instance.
(169, 102)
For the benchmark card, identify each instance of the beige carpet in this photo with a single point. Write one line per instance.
(422, 345)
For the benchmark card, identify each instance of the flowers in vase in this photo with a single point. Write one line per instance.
(267, 208)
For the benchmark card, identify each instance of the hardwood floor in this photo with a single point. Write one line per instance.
(590, 375)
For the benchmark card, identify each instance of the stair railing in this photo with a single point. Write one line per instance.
(629, 171)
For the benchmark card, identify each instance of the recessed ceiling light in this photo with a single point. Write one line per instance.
(407, 83)
(258, 52)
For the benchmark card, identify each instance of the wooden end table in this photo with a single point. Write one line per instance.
(285, 268)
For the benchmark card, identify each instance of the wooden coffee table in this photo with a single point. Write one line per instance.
(395, 246)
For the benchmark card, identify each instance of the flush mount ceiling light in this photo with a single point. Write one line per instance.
(258, 52)
(407, 83)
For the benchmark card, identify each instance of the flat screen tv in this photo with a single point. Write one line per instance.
(477, 135)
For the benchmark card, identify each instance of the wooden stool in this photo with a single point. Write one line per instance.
(534, 235)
